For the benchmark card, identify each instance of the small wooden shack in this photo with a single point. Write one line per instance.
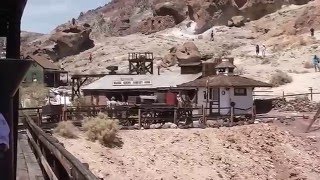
(224, 90)
(44, 71)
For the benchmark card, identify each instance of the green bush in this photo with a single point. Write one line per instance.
(34, 94)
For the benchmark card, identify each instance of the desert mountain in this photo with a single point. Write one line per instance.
(110, 32)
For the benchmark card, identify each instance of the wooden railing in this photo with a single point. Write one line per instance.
(57, 162)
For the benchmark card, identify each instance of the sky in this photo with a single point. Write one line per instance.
(43, 16)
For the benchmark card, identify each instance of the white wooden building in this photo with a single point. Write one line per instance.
(219, 92)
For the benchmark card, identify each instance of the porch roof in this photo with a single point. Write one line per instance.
(225, 81)
(140, 82)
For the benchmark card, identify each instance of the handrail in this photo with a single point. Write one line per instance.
(74, 168)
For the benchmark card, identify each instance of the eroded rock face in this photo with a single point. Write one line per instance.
(176, 9)
(72, 40)
(309, 18)
(155, 24)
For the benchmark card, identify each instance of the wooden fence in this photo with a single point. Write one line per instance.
(270, 94)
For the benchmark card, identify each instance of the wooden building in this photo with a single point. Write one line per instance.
(127, 88)
(44, 71)
(221, 91)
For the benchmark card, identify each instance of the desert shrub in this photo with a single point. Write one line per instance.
(308, 65)
(103, 129)
(34, 94)
(66, 129)
(239, 71)
(280, 78)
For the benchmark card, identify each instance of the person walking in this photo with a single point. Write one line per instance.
(263, 50)
(312, 32)
(212, 36)
(316, 62)
(257, 50)
(90, 58)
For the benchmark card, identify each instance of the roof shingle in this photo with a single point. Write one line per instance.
(225, 81)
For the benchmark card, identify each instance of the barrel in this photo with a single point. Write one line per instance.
(171, 99)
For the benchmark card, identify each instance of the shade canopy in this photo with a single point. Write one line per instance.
(12, 72)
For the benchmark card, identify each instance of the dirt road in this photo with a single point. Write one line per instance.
(260, 151)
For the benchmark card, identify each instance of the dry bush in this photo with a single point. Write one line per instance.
(103, 129)
(280, 78)
(66, 129)
(34, 94)
(308, 65)
(239, 71)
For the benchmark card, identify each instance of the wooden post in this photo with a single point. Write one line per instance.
(175, 121)
(139, 117)
(282, 94)
(39, 118)
(232, 116)
(204, 114)
(311, 93)
(254, 112)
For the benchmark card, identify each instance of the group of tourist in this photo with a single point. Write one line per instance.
(263, 50)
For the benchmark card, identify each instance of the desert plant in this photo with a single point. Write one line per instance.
(308, 65)
(66, 129)
(239, 71)
(280, 78)
(34, 94)
(103, 129)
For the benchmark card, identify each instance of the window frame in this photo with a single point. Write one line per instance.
(245, 93)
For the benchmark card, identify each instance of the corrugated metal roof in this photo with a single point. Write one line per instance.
(225, 81)
(43, 62)
(122, 82)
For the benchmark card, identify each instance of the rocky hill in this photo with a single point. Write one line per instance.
(283, 26)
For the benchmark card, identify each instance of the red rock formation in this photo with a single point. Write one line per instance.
(72, 40)
(155, 24)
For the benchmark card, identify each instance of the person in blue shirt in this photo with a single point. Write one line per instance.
(4, 134)
(316, 61)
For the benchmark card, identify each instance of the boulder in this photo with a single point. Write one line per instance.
(238, 21)
(176, 9)
(72, 40)
(170, 60)
(212, 124)
(188, 53)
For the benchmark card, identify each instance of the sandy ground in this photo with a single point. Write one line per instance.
(259, 151)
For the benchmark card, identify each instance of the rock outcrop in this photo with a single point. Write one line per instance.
(187, 53)
(176, 9)
(155, 24)
(72, 40)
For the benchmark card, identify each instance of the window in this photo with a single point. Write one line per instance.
(240, 91)
(222, 70)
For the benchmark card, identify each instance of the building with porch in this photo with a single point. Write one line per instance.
(44, 71)
(218, 93)
(128, 88)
